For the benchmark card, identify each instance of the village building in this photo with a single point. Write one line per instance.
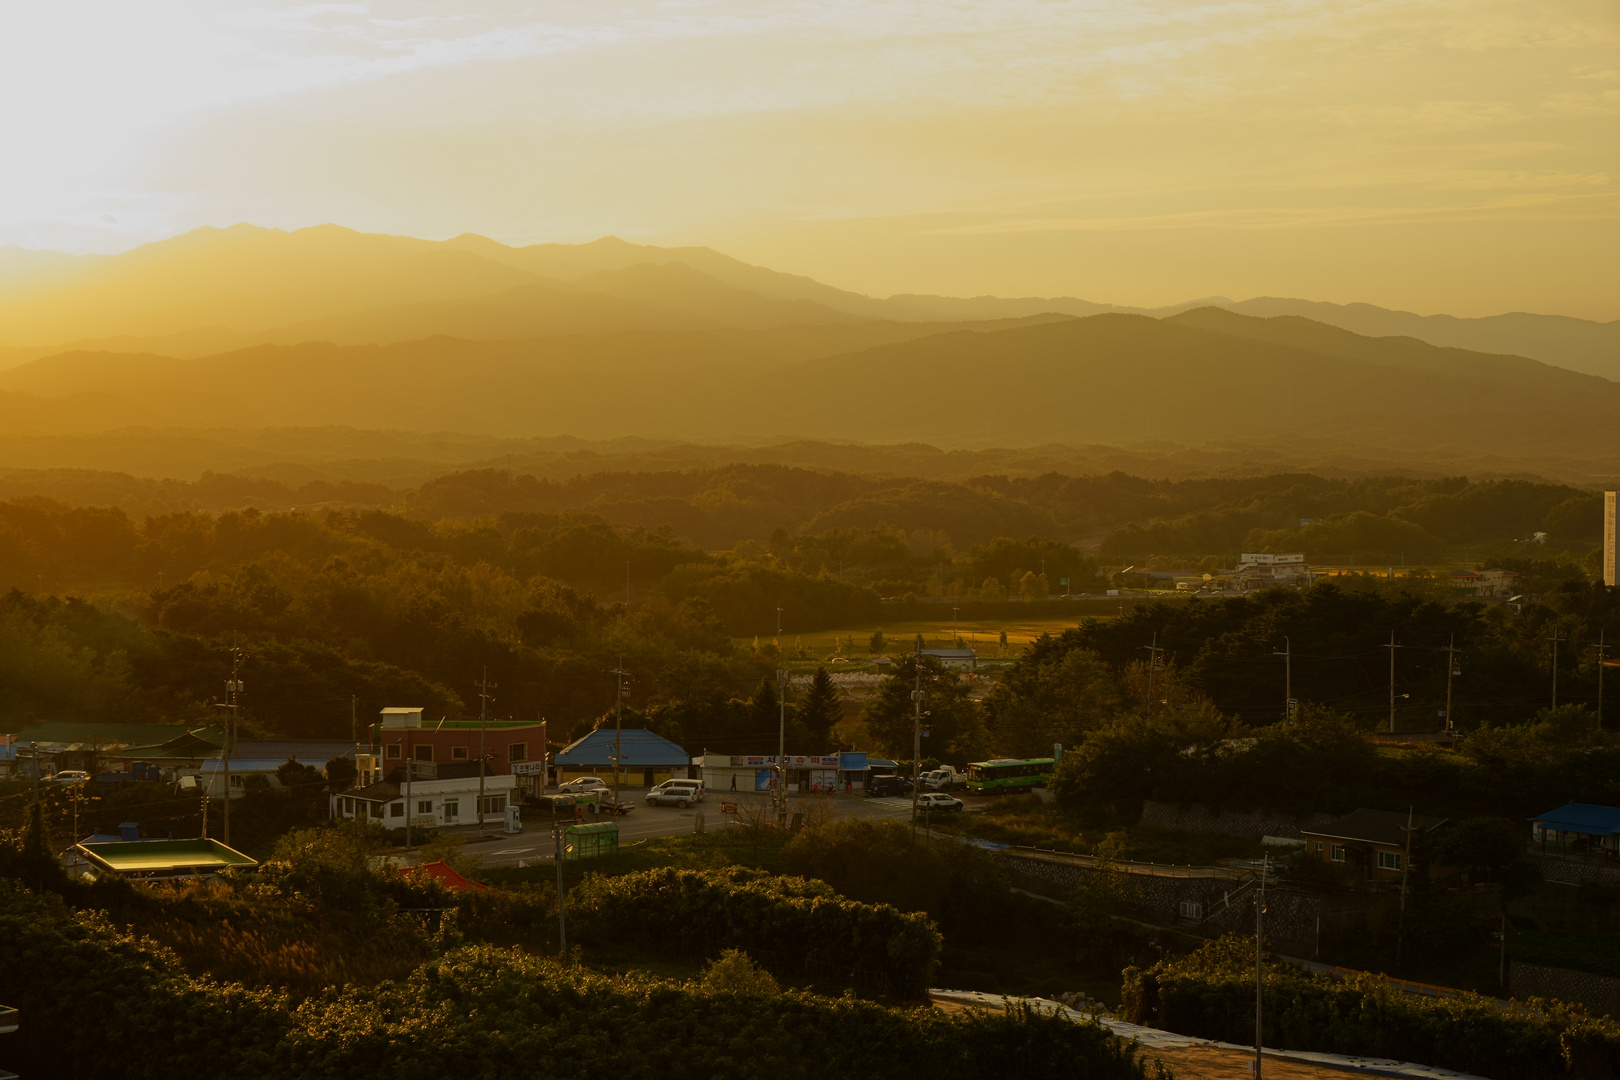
(1374, 843)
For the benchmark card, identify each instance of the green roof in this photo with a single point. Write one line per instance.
(147, 856)
(594, 827)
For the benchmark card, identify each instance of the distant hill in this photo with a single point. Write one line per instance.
(215, 290)
(1205, 376)
(1577, 344)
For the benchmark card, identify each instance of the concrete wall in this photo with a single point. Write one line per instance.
(1247, 824)
(1293, 919)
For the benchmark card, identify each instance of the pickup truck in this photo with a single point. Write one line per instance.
(942, 779)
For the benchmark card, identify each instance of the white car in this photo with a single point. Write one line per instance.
(938, 800)
(70, 776)
(583, 784)
(681, 793)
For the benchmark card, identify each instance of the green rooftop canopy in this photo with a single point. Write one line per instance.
(163, 858)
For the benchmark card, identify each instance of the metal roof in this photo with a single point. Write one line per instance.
(310, 751)
(107, 735)
(1588, 819)
(640, 749)
(149, 856)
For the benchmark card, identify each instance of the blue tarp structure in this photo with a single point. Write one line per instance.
(1585, 819)
(639, 749)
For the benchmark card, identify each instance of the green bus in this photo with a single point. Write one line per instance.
(1010, 774)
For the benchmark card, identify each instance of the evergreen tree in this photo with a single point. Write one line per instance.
(820, 710)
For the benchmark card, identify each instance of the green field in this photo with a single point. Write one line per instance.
(983, 636)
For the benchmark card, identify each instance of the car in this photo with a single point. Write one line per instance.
(883, 787)
(583, 784)
(938, 800)
(681, 793)
(70, 776)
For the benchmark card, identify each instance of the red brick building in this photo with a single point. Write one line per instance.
(401, 735)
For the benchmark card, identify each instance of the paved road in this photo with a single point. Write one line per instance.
(649, 821)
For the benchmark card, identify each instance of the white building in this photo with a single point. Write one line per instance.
(1257, 569)
(436, 803)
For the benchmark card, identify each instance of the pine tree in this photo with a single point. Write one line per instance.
(820, 710)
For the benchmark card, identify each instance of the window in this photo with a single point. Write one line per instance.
(1317, 847)
(1337, 854)
(424, 806)
(458, 753)
(1191, 909)
(346, 806)
(396, 809)
(236, 781)
(394, 750)
(452, 809)
(495, 804)
(518, 751)
(424, 753)
(1389, 860)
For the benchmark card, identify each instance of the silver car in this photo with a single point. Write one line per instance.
(681, 793)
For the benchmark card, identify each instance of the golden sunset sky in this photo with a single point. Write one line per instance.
(1441, 156)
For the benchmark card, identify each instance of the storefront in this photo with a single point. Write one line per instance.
(807, 774)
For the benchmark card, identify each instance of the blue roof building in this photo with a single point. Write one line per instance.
(1579, 829)
(641, 752)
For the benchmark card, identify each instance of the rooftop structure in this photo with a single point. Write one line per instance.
(157, 859)
(638, 748)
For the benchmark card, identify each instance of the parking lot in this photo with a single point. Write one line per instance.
(535, 842)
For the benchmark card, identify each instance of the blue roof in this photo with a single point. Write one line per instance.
(639, 749)
(1583, 818)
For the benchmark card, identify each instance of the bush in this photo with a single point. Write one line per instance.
(694, 912)
(100, 1004)
(1210, 994)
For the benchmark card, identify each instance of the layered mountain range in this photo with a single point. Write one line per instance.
(253, 328)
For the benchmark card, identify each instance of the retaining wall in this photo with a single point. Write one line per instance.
(1599, 993)
(1247, 824)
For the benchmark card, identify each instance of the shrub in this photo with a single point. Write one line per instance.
(699, 912)
(1210, 993)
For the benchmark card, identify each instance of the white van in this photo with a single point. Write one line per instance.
(681, 793)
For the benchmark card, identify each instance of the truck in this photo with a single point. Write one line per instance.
(942, 779)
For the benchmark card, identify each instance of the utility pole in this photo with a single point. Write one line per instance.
(1392, 647)
(781, 744)
(1288, 677)
(627, 585)
(232, 689)
(1451, 670)
(354, 725)
(1153, 665)
(779, 629)
(1406, 871)
(483, 725)
(1555, 640)
(410, 771)
(1259, 969)
(562, 926)
(622, 691)
(916, 737)
(956, 618)
(1603, 655)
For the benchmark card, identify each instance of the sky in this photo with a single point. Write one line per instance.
(1452, 156)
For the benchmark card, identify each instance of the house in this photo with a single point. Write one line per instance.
(1484, 582)
(158, 860)
(953, 659)
(502, 744)
(645, 758)
(1579, 829)
(96, 747)
(441, 796)
(1374, 842)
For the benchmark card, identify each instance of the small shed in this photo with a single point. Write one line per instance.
(954, 659)
(590, 841)
(443, 873)
(644, 757)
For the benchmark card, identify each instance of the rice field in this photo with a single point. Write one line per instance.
(983, 636)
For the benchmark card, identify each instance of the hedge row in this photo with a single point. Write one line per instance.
(698, 912)
(1211, 994)
(99, 1004)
